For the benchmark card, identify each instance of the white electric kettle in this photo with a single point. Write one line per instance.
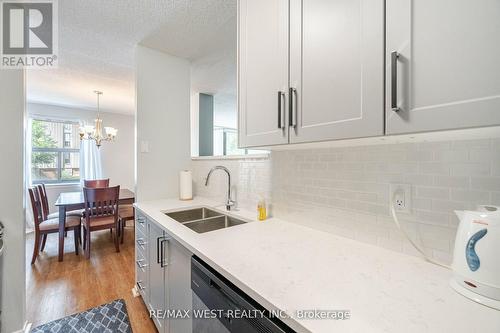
(476, 260)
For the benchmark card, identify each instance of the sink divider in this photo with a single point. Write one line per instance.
(204, 219)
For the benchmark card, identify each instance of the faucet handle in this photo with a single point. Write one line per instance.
(230, 203)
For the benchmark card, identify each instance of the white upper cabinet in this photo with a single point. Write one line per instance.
(318, 70)
(336, 69)
(448, 64)
(262, 72)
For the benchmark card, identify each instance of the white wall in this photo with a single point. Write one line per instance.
(163, 96)
(12, 199)
(195, 123)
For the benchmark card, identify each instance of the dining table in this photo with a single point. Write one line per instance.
(68, 201)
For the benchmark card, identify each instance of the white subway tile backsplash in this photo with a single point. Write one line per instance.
(472, 144)
(433, 192)
(495, 198)
(470, 169)
(346, 190)
(470, 195)
(439, 145)
(435, 168)
(429, 217)
(482, 155)
(420, 155)
(460, 155)
(447, 206)
(485, 183)
(424, 180)
(452, 181)
(422, 203)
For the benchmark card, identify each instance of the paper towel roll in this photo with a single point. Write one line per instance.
(185, 185)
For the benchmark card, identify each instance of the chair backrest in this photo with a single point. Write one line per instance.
(42, 191)
(36, 206)
(101, 202)
(96, 183)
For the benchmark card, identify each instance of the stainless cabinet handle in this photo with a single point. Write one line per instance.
(140, 286)
(141, 220)
(141, 242)
(162, 252)
(140, 265)
(158, 249)
(293, 113)
(281, 116)
(394, 81)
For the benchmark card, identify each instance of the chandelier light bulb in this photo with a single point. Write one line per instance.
(89, 132)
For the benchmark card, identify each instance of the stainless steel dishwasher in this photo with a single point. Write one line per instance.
(1, 269)
(219, 300)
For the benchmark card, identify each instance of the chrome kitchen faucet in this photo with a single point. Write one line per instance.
(229, 202)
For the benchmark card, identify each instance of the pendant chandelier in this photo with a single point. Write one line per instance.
(89, 132)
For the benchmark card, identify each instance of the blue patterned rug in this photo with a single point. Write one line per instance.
(107, 318)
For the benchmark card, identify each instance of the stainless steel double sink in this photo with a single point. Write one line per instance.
(204, 219)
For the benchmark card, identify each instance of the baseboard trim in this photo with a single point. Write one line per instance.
(26, 328)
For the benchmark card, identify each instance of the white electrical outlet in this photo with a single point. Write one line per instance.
(401, 197)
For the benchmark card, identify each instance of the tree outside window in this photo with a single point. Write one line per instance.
(55, 151)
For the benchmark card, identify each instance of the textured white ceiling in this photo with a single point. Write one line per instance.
(97, 42)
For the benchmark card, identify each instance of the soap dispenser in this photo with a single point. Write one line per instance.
(261, 208)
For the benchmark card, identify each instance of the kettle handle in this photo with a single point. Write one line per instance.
(470, 250)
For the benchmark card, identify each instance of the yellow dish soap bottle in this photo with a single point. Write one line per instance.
(261, 208)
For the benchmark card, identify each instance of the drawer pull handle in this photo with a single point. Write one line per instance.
(140, 286)
(140, 264)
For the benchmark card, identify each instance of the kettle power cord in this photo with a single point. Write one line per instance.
(418, 248)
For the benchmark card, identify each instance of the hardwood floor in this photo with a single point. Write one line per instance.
(57, 289)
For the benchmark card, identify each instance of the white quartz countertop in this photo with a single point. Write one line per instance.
(289, 267)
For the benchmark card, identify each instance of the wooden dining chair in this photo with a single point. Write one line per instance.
(101, 212)
(125, 213)
(44, 226)
(96, 183)
(45, 205)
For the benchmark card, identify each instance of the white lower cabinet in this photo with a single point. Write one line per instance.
(179, 285)
(163, 275)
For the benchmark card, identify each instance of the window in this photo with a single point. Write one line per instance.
(55, 154)
(67, 135)
(226, 143)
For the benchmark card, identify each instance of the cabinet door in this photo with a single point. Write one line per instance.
(337, 69)
(157, 295)
(448, 68)
(262, 72)
(179, 285)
